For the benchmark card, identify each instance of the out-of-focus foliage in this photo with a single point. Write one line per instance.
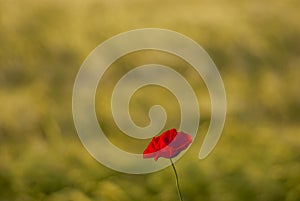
(256, 46)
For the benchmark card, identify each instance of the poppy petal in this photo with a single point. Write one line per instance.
(168, 145)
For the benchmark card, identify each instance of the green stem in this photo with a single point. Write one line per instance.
(177, 183)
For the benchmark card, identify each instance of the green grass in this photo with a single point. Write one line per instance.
(256, 46)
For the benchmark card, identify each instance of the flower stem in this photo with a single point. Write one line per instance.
(177, 183)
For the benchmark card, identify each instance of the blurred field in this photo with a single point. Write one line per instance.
(256, 46)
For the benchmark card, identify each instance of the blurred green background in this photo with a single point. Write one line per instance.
(255, 45)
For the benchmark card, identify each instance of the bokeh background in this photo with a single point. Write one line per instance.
(256, 46)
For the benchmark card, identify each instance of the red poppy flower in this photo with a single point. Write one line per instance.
(168, 145)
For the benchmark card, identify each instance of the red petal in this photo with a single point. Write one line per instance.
(168, 145)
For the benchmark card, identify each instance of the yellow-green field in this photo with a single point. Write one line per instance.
(256, 47)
